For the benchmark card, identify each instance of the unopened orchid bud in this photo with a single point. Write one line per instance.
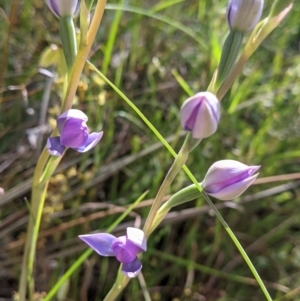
(62, 8)
(228, 179)
(200, 114)
(243, 15)
(124, 248)
(74, 134)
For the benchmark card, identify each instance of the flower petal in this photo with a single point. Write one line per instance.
(53, 7)
(73, 113)
(235, 190)
(132, 268)
(54, 147)
(228, 179)
(137, 237)
(62, 8)
(67, 7)
(92, 140)
(124, 250)
(74, 134)
(100, 242)
(200, 114)
(226, 172)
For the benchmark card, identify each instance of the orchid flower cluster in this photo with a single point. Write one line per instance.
(199, 117)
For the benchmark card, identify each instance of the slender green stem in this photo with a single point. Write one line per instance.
(117, 288)
(179, 161)
(39, 189)
(68, 40)
(239, 247)
(36, 196)
(230, 52)
(40, 193)
(188, 172)
(186, 194)
(173, 171)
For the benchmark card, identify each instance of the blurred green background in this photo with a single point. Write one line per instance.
(144, 49)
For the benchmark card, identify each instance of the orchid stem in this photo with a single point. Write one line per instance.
(39, 189)
(173, 171)
(239, 246)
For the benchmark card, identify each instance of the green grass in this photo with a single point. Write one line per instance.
(156, 52)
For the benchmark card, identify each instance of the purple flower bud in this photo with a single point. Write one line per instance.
(124, 248)
(62, 8)
(243, 15)
(74, 134)
(228, 179)
(200, 114)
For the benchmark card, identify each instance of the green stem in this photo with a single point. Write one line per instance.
(118, 286)
(68, 40)
(184, 195)
(36, 196)
(173, 171)
(170, 149)
(50, 169)
(179, 161)
(38, 189)
(239, 247)
(230, 52)
(38, 192)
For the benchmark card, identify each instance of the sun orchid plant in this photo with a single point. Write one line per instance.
(199, 116)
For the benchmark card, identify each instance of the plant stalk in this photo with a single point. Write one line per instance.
(173, 171)
(39, 189)
(239, 246)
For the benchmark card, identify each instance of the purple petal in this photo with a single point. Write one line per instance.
(74, 134)
(73, 113)
(92, 140)
(233, 191)
(226, 172)
(132, 269)
(243, 15)
(54, 146)
(200, 114)
(218, 186)
(61, 8)
(124, 250)
(100, 242)
(53, 7)
(228, 179)
(187, 110)
(190, 123)
(67, 7)
(137, 237)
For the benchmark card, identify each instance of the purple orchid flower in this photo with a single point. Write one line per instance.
(62, 8)
(243, 15)
(124, 248)
(74, 134)
(200, 115)
(228, 179)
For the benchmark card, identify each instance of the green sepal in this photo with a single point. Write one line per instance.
(183, 196)
(230, 52)
(68, 40)
(278, 6)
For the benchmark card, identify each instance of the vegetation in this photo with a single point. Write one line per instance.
(157, 53)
